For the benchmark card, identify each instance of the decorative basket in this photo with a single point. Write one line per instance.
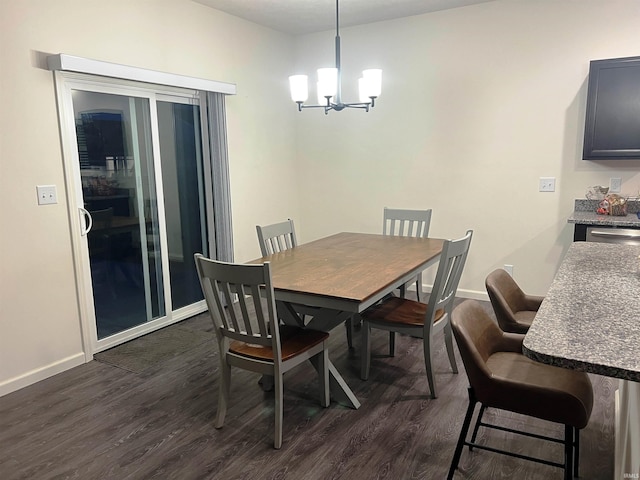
(614, 205)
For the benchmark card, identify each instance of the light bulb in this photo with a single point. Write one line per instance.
(371, 85)
(299, 88)
(327, 82)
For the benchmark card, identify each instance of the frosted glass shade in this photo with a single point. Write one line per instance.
(370, 85)
(299, 88)
(362, 91)
(327, 82)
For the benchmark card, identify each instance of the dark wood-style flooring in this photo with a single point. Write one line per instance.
(98, 421)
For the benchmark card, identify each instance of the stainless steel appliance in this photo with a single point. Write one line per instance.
(603, 234)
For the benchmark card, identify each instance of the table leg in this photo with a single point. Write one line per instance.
(340, 391)
(323, 319)
(266, 383)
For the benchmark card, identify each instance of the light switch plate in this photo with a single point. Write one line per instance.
(47, 194)
(615, 185)
(547, 184)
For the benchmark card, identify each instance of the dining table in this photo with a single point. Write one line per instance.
(590, 321)
(321, 284)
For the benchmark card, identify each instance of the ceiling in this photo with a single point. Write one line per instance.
(299, 17)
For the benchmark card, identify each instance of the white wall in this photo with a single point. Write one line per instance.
(477, 104)
(39, 317)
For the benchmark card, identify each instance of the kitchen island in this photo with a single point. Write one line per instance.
(590, 321)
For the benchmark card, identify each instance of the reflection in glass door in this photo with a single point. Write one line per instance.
(184, 198)
(119, 193)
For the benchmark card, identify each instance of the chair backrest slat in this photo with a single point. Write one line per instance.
(263, 320)
(277, 237)
(406, 223)
(242, 302)
(231, 320)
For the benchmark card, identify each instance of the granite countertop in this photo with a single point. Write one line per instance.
(585, 213)
(592, 218)
(590, 318)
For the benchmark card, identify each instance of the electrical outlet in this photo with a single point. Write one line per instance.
(509, 269)
(47, 194)
(615, 185)
(547, 184)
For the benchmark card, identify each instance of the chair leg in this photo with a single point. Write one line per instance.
(448, 340)
(365, 350)
(568, 452)
(323, 373)
(392, 344)
(426, 344)
(277, 442)
(463, 435)
(576, 452)
(419, 286)
(348, 323)
(223, 393)
(475, 429)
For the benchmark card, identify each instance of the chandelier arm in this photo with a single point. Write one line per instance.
(304, 105)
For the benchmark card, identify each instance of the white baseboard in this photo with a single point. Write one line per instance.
(34, 376)
(473, 294)
(42, 373)
(461, 293)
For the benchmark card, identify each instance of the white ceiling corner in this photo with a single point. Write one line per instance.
(298, 17)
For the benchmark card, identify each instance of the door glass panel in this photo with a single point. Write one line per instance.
(184, 204)
(117, 172)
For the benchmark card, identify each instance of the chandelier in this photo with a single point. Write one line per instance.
(329, 85)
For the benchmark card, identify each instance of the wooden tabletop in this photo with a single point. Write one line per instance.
(349, 271)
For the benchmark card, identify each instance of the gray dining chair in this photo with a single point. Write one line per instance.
(418, 319)
(279, 237)
(407, 223)
(242, 307)
(276, 237)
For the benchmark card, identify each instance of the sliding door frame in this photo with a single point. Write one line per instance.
(66, 82)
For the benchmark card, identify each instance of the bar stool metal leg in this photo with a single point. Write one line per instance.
(463, 434)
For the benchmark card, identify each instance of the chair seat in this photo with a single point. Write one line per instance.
(525, 318)
(531, 388)
(400, 311)
(293, 341)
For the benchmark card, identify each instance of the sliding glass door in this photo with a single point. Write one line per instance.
(183, 182)
(140, 185)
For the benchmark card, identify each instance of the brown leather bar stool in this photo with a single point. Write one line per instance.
(502, 377)
(514, 309)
